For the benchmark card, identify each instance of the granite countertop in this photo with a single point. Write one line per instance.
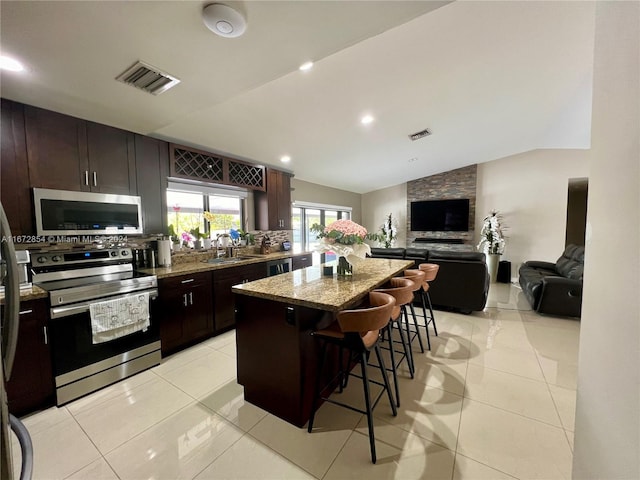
(185, 264)
(309, 288)
(32, 293)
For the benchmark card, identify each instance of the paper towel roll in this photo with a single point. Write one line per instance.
(164, 253)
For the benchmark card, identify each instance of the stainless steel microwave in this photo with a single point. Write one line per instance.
(61, 212)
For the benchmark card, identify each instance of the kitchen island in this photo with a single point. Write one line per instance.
(277, 357)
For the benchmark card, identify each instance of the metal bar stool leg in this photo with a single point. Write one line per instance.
(408, 329)
(426, 319)
(405, 345)
(415, 324)
(394, 368)
(385, 379)
(433, 319)
(367, 401)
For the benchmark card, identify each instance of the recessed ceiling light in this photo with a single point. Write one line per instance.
(306, 66)
(7, 63)
(414, 159)
(367, 119)
(285, 159)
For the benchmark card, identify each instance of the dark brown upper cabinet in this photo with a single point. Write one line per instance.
(14, 175)
(67, 153)
(152, 169)
(273, 207)
(56, 150)
(111, 154)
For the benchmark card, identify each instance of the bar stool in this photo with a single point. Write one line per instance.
(402, 290)
(431, 272)
(358, 331)
(417, 276)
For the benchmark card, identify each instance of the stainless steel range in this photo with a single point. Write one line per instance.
(102, 325)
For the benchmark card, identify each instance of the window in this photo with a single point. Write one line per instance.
(304, 216)
(186, 204)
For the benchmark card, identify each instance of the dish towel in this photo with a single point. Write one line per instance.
(116, 318)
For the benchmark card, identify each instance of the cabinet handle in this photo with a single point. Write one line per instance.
(46, 337)
(95, 179)
(184, 299)
(188, 280)
(191, 298)
(26, 312)
(86, 177)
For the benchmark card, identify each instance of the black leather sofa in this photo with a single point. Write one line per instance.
(555, 288)
(462, 283)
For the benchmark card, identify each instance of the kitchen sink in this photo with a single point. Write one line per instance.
(223, 260)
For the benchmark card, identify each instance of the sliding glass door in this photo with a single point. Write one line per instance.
(304, 217)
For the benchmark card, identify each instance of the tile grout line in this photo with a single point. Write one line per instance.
(95, 446)
(464, 391)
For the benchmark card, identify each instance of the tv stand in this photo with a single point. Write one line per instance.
(457, 241)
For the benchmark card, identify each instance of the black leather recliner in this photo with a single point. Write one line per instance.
(555, 288)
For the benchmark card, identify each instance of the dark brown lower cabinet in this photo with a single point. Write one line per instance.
(31, 386)
(223, 280)
(185, 310)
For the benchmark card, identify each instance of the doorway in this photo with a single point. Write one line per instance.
(576, 211)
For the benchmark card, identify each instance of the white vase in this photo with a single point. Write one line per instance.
(206, 243)
(492, 265)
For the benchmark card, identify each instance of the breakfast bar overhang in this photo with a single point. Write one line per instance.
(274, 319)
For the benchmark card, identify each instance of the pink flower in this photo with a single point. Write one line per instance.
(347, 227)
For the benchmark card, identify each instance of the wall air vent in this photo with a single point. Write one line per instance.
(424, 133)
(150, 79)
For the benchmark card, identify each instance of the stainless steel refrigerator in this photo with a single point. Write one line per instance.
(9, 340)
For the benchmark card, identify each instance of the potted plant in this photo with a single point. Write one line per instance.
(388, 232)
(492, 241)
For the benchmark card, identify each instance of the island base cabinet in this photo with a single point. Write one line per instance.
(278, 357)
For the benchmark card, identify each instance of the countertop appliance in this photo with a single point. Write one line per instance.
(75, 279)
(61, 212)
(9, 324)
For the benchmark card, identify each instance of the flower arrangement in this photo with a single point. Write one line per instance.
(491, 235)
(187, 239)
(388, 232)
(346, 239)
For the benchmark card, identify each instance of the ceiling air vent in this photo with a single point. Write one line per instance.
(422, 133)
(150, 79)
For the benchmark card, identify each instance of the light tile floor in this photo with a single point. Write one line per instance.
(493, 399)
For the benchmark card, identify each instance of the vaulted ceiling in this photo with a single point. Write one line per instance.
(489, 79)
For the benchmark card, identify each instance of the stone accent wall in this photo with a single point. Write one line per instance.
(459, 183)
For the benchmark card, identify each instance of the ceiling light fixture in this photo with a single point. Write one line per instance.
(285, 159)
(306, 66)
(367, 119)
(224, 20)
(10, 64)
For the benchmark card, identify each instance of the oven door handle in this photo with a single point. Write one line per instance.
(66, 311)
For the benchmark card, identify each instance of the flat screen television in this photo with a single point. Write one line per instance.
(440, 215)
